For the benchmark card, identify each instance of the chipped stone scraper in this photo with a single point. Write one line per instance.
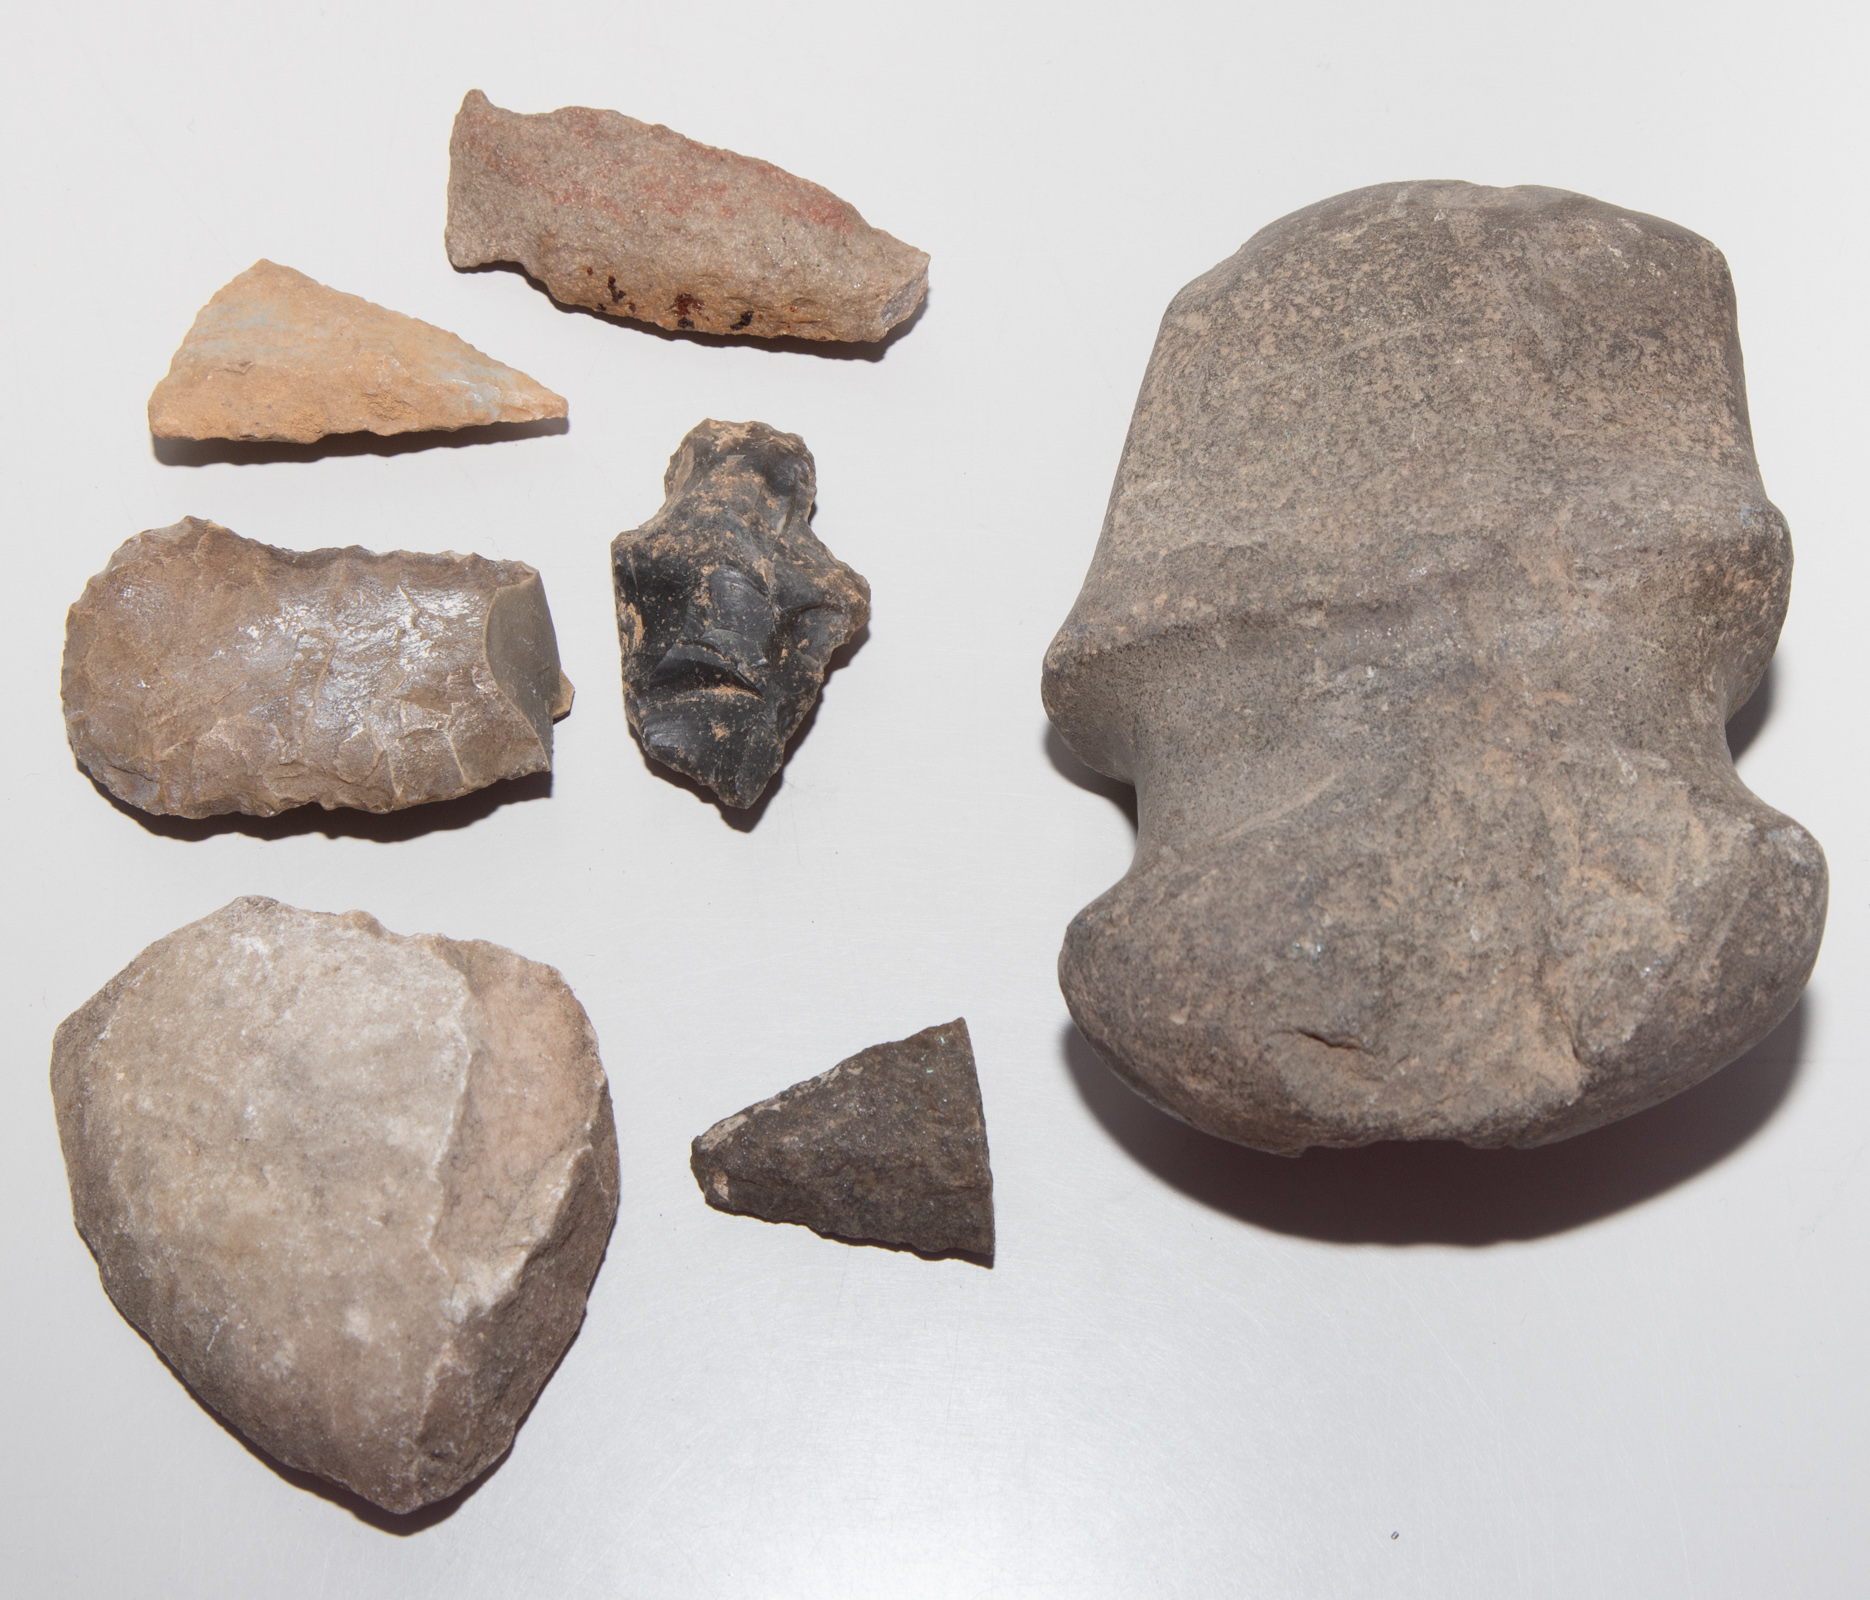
(729, 609)
(207, 673)
(353, 1187)
(631, 219)
(1436, 561)
(888, 1147)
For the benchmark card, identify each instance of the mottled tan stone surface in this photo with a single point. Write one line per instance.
(1436, 561)
(633, 220)
(354, 1187)
(206, 673)
(277, 356)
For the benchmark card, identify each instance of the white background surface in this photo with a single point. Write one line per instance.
(1630, 1365)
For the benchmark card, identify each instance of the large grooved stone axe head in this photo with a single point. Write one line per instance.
(1436, 562)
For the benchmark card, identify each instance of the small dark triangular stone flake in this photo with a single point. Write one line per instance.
(889, 1146)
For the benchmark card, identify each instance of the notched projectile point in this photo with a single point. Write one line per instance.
(888, 1147)
(729, 609)
(1435, 564)
(353, 1187)
(207, 673)
(633, 220)
(275, 356)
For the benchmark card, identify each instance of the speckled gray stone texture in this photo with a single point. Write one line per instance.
(889, 1146)
(1436, 561)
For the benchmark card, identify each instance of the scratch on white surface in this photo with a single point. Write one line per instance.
(1681, 1527)
(1836, 1195)
(1448, 1355)
(661, 1485)
(106, 97)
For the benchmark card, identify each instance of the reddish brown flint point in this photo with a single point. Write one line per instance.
(631, 219)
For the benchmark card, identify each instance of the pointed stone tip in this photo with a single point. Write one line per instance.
(888, 1147)
(277, 357)
(904, 303)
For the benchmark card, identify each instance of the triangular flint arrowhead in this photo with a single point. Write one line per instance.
(889, 1146)
(277, 356)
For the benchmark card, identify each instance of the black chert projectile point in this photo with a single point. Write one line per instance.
(729, 609)
(888, 1147)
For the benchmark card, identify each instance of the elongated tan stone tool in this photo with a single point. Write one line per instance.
(633, 220)
(1436, 561)
(352, 1186)
(207, 673)
(276, 356)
